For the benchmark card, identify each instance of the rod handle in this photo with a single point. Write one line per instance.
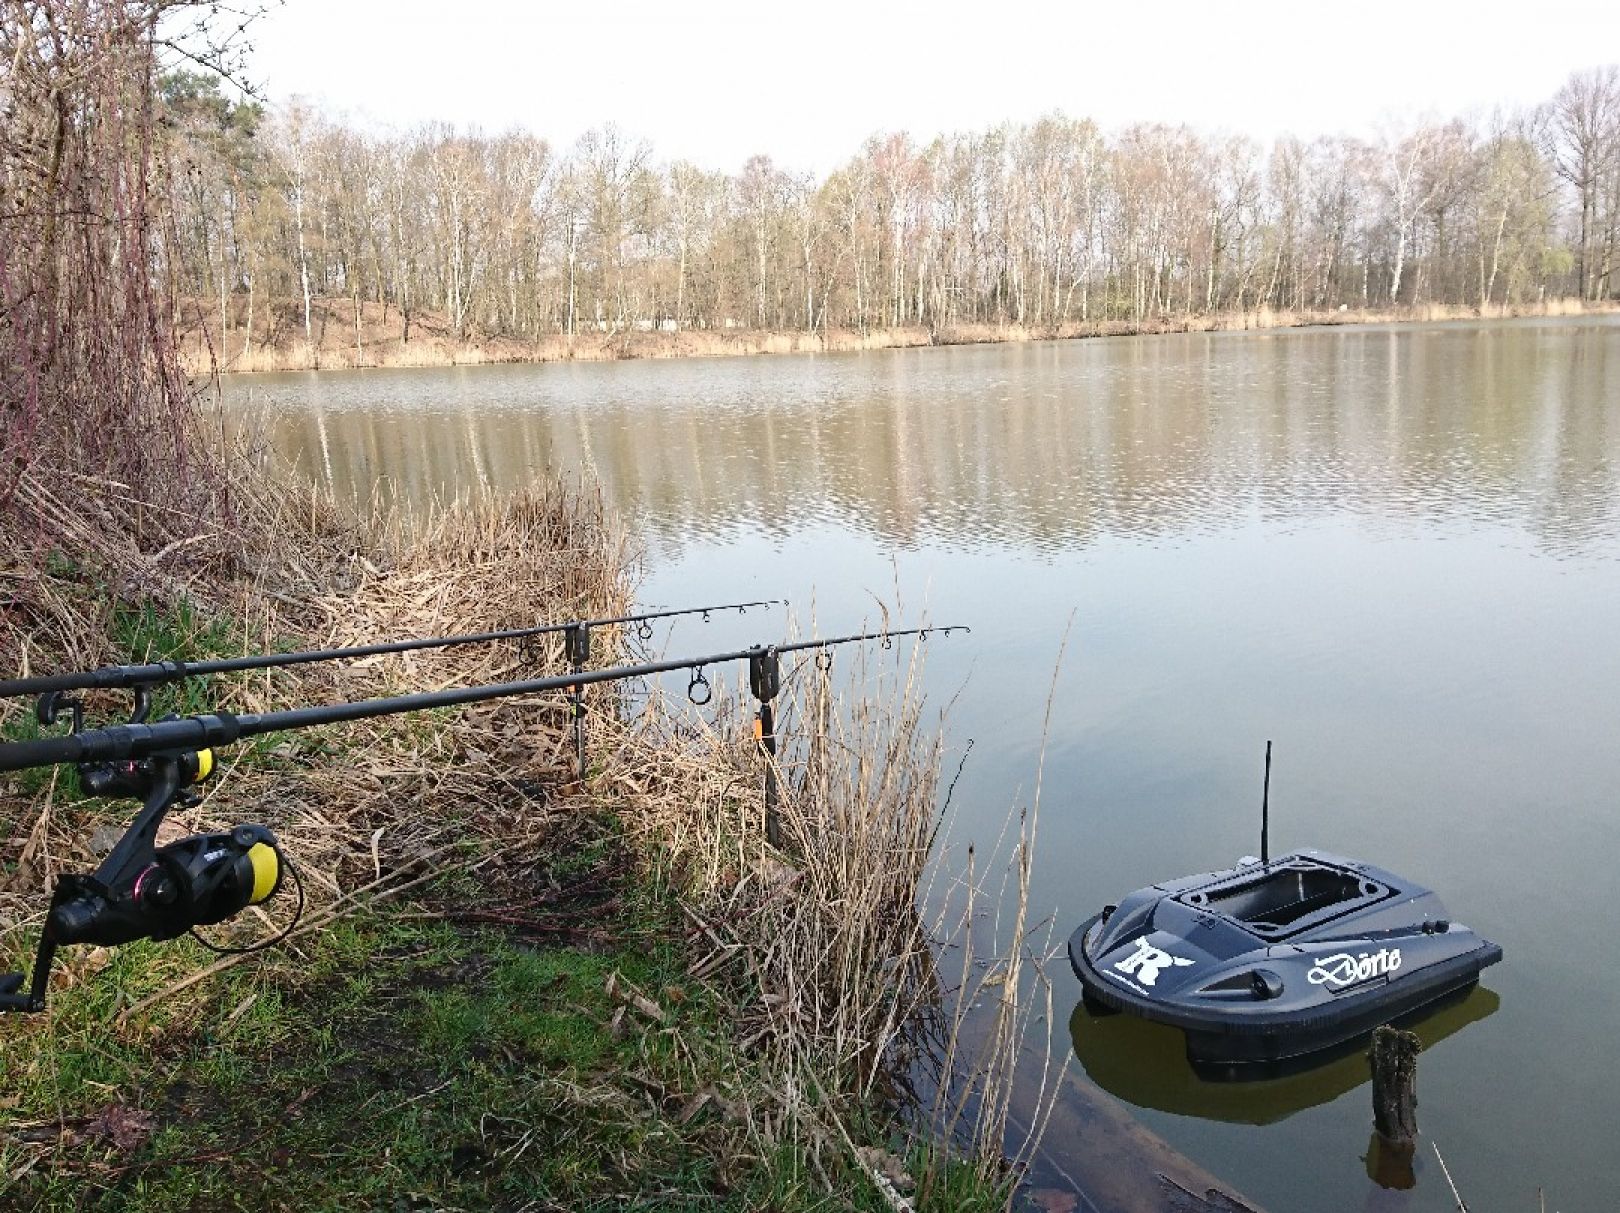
(43, 752)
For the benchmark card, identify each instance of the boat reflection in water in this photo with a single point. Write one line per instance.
(1146, 1064)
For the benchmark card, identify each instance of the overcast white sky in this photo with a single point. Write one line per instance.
(718, 82)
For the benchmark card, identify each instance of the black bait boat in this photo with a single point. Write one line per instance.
(1275, 960)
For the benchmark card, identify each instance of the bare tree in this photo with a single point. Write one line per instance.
(1585, 146)
(295, 154)
(1410, 184)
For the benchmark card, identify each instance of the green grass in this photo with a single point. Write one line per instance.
(144, 632)
(411, 1062)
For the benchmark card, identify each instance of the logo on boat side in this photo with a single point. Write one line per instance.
(1343, 969)
(1147, 962)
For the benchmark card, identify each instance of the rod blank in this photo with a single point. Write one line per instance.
(158, 673)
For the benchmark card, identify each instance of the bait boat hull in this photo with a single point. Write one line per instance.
(1269, 962)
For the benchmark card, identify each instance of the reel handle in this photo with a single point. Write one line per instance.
(10, 1000)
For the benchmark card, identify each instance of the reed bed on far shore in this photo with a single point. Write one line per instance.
(382, 345)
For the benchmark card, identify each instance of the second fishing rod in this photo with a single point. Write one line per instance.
(142, 678)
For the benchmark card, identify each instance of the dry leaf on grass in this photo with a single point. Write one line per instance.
(622, 991)
(888, 1165)
(121, 1127)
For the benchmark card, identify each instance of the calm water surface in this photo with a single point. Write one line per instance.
(1396, 552)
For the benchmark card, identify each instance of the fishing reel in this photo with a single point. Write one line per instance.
(145, 891)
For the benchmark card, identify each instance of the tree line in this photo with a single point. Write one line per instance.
(1046, 224)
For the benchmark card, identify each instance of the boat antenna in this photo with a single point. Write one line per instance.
(1265, 813)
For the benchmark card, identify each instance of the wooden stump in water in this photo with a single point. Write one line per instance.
(1394, 1092)
(1394, 1085)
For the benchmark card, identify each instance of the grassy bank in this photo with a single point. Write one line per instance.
(525, 1038)
(508, 990)
(374, 336)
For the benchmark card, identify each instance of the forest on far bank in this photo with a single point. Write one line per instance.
(1041, 225)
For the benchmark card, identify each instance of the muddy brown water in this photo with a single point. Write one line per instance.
(1394, 551)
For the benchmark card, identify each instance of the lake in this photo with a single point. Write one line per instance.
(1395, 552)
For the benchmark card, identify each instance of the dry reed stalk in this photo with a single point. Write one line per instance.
(827, 948)
(1462, 1206)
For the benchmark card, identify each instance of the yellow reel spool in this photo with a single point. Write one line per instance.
(266, 872)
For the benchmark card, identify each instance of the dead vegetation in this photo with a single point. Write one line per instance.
(96, 429)
(823, 953)
(317, 579)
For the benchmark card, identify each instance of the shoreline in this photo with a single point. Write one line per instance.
(381, 345)
(612, 966)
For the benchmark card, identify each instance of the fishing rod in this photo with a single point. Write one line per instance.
(143, 679)
(143, 891)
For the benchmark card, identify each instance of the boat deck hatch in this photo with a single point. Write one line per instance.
(1288, 897)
